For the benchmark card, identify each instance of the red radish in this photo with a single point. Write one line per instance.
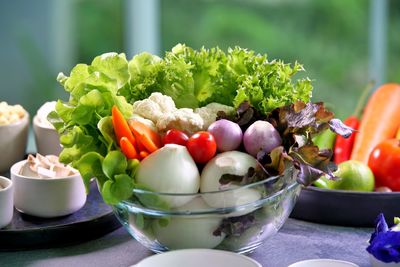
(227, 134)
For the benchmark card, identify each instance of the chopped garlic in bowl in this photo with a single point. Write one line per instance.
(10, 113)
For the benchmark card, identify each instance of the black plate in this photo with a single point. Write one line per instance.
(93, 220)
(345, 208)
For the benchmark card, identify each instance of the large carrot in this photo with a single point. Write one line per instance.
(121, 127)
(380, 121)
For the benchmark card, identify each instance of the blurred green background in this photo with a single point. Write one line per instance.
(331, 38)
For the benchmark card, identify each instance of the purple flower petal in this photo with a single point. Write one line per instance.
(385, 246)
(381, 226)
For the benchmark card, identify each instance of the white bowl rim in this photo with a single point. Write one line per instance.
(18, 122)
(39, 124)
(16, 174)
(323, 261)
(181, 252)
(8, 181)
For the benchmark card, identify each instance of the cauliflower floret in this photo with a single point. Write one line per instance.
(209, 112)
(182, 119)
(165, 102)
(154, 107)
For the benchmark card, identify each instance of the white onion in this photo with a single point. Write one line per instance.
(231, 162)
(190, 231)
(170, 169)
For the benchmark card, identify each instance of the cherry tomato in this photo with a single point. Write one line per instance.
(202, 147)
(175, 136)
(384, 162)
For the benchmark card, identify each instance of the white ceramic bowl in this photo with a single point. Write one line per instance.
(323, 263)
(198, 258)
(14, 138)
(6, 201)
(46, 138)
(47, 198)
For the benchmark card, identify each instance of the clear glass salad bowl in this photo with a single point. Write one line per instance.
(237, 219)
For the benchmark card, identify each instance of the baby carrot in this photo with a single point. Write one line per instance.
(147, 143)
(121, 127)
(143, 154)
(128, 149)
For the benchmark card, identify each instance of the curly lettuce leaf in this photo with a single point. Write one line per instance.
(194, 78)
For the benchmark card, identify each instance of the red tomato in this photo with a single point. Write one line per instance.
(175, 136)
(202, 147)
(384, 162)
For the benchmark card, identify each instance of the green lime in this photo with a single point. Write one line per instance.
(354, 175)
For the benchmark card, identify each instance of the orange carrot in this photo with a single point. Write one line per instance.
(143, 154)
(138, 128)
(121, 127)
(128, 149)
(140, 146)
(147, 143)
(380, 121)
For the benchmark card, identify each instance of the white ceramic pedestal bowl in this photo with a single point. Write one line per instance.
(47, 139)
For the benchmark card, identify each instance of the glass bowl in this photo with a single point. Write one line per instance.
(238, 219)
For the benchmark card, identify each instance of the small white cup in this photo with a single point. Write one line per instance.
(6, 201)
(47, 198)
(13, 141)
(47, 138)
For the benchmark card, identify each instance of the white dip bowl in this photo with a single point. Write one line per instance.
(47, 198)
(6, 201)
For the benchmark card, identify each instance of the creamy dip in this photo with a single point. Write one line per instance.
(46, 167)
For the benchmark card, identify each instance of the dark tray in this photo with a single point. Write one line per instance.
(93, 220)
(345, 208)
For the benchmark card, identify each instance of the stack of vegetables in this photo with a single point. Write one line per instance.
(374, 147)
(126, 120)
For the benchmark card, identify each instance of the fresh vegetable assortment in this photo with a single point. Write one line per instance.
(374, 144)
(120, 112)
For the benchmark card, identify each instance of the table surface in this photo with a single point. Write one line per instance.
(297, 240)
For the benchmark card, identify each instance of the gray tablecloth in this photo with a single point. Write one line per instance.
(296, 241)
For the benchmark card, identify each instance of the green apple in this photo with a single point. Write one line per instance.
(354, 175)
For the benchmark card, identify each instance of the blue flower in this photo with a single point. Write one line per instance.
(384, 243)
